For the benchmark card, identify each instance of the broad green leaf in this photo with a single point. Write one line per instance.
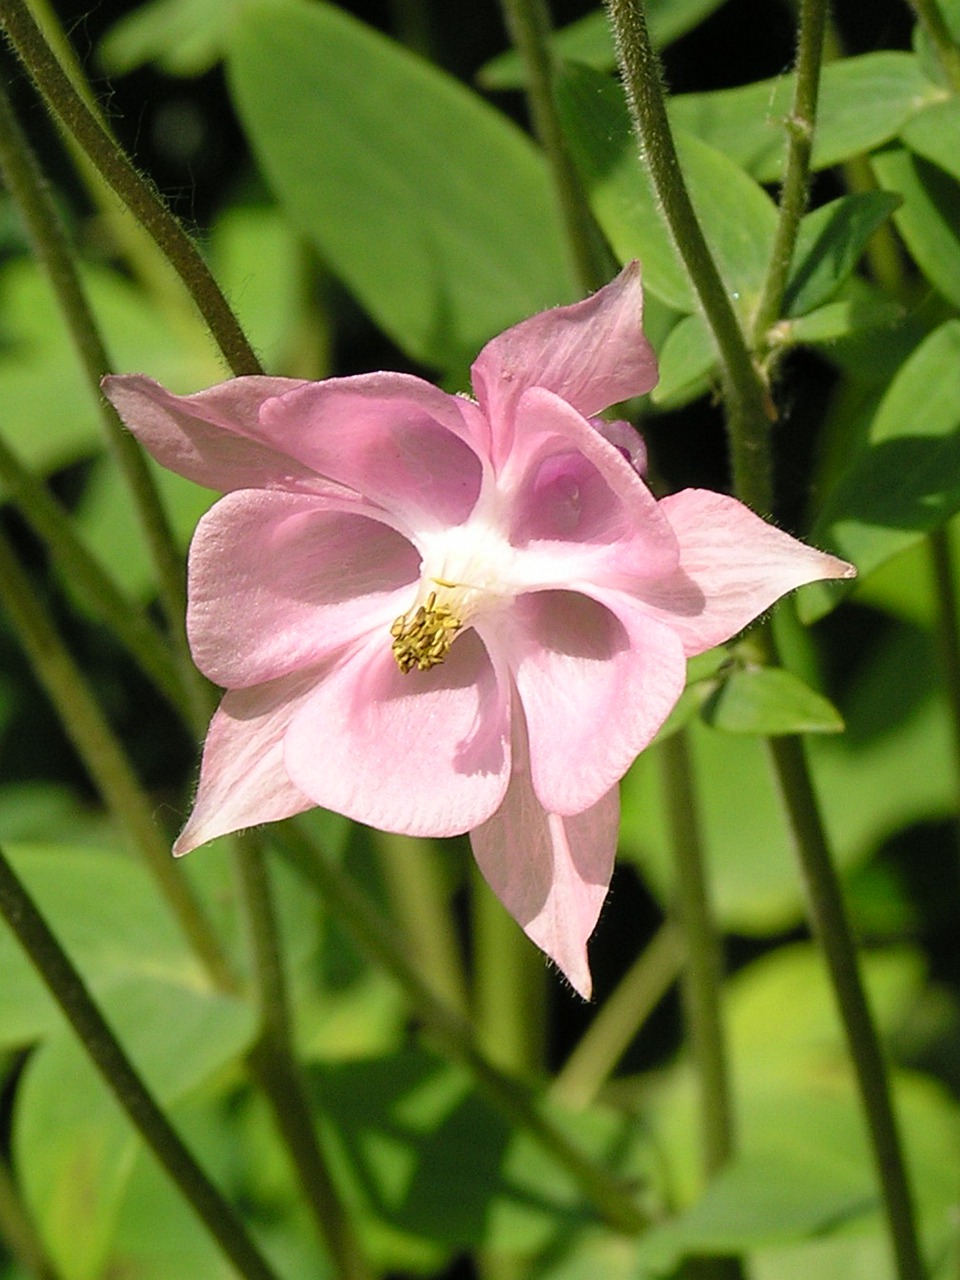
(74, 1148)
(906, 481)
(934, 133)
(769, 701)
(687, 361)
(864, 102)
(183, 37)
(927, 219)
(106, 913)
(422, 198)
(737, 215)
(589, 40)
(830, 244)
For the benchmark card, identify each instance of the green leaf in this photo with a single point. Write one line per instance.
(74, 1147)
(737, 215)
(830, 244)
(687, 361)
(927, 219)
(183, 37)
(769, 701)
(934, 134)
(589, 40)
(860, 311)
(864, 102)
(906, 482)
(421, 197)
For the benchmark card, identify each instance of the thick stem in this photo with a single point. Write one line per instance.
(374, 935)
(747, 401)
(829, 919)
(939, 35)
(32, 196)
(528, 22)
(274, 1066)
(703, 969)
(105, 1052)
(103, 757)
(112, 162)
(793, 194)
(619, 1019)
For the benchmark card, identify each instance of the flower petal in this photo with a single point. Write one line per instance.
(733, 566)
(592, 354)
(396, 439)
(423, 753)
(551, 873)
(243, 781)
(572, 493)
(595, 689)
(212, 437)
(280, 580)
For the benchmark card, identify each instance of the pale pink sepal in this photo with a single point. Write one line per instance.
(551, 873)
(243, 780)
(733, 566)
(426, 753)
(592, 354)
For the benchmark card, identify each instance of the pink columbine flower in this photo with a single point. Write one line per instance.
(437, 614)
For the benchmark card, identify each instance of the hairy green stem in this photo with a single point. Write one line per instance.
(747, 401)
(509, 986)
(703, 967)
(619, 1019)
(274, 1066)
(528, 22)
(108, 1056)
(939, 34)
(117, 170)
(103, 756)
(420, 903)
(375, 936)
(794, 192)
(829, 918)
(27, 187)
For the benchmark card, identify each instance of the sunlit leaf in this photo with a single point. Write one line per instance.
(829, 246)
(769, 701)
(927, 219)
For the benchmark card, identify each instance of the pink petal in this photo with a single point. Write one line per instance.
(394, 438)
(595, 689)
(212, 437)
(243, 781)
(280, 580)
(423, 753)
(551, 873)
(733, 566)
(592, 354)
(570, 487)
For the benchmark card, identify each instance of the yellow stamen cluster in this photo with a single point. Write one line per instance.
(422, 637)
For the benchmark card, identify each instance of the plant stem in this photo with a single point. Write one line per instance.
(528, 22)
(32, 196)
(939, 34)
(414, 882)
(102, 756)
(793, 194)
(375, 936)
(274, 1066)
(112, 162)
(619, 1019)
(748, 406)
(52, 524)
(830, 923)
(509, 986)
(105, 1052)
(703, 968)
